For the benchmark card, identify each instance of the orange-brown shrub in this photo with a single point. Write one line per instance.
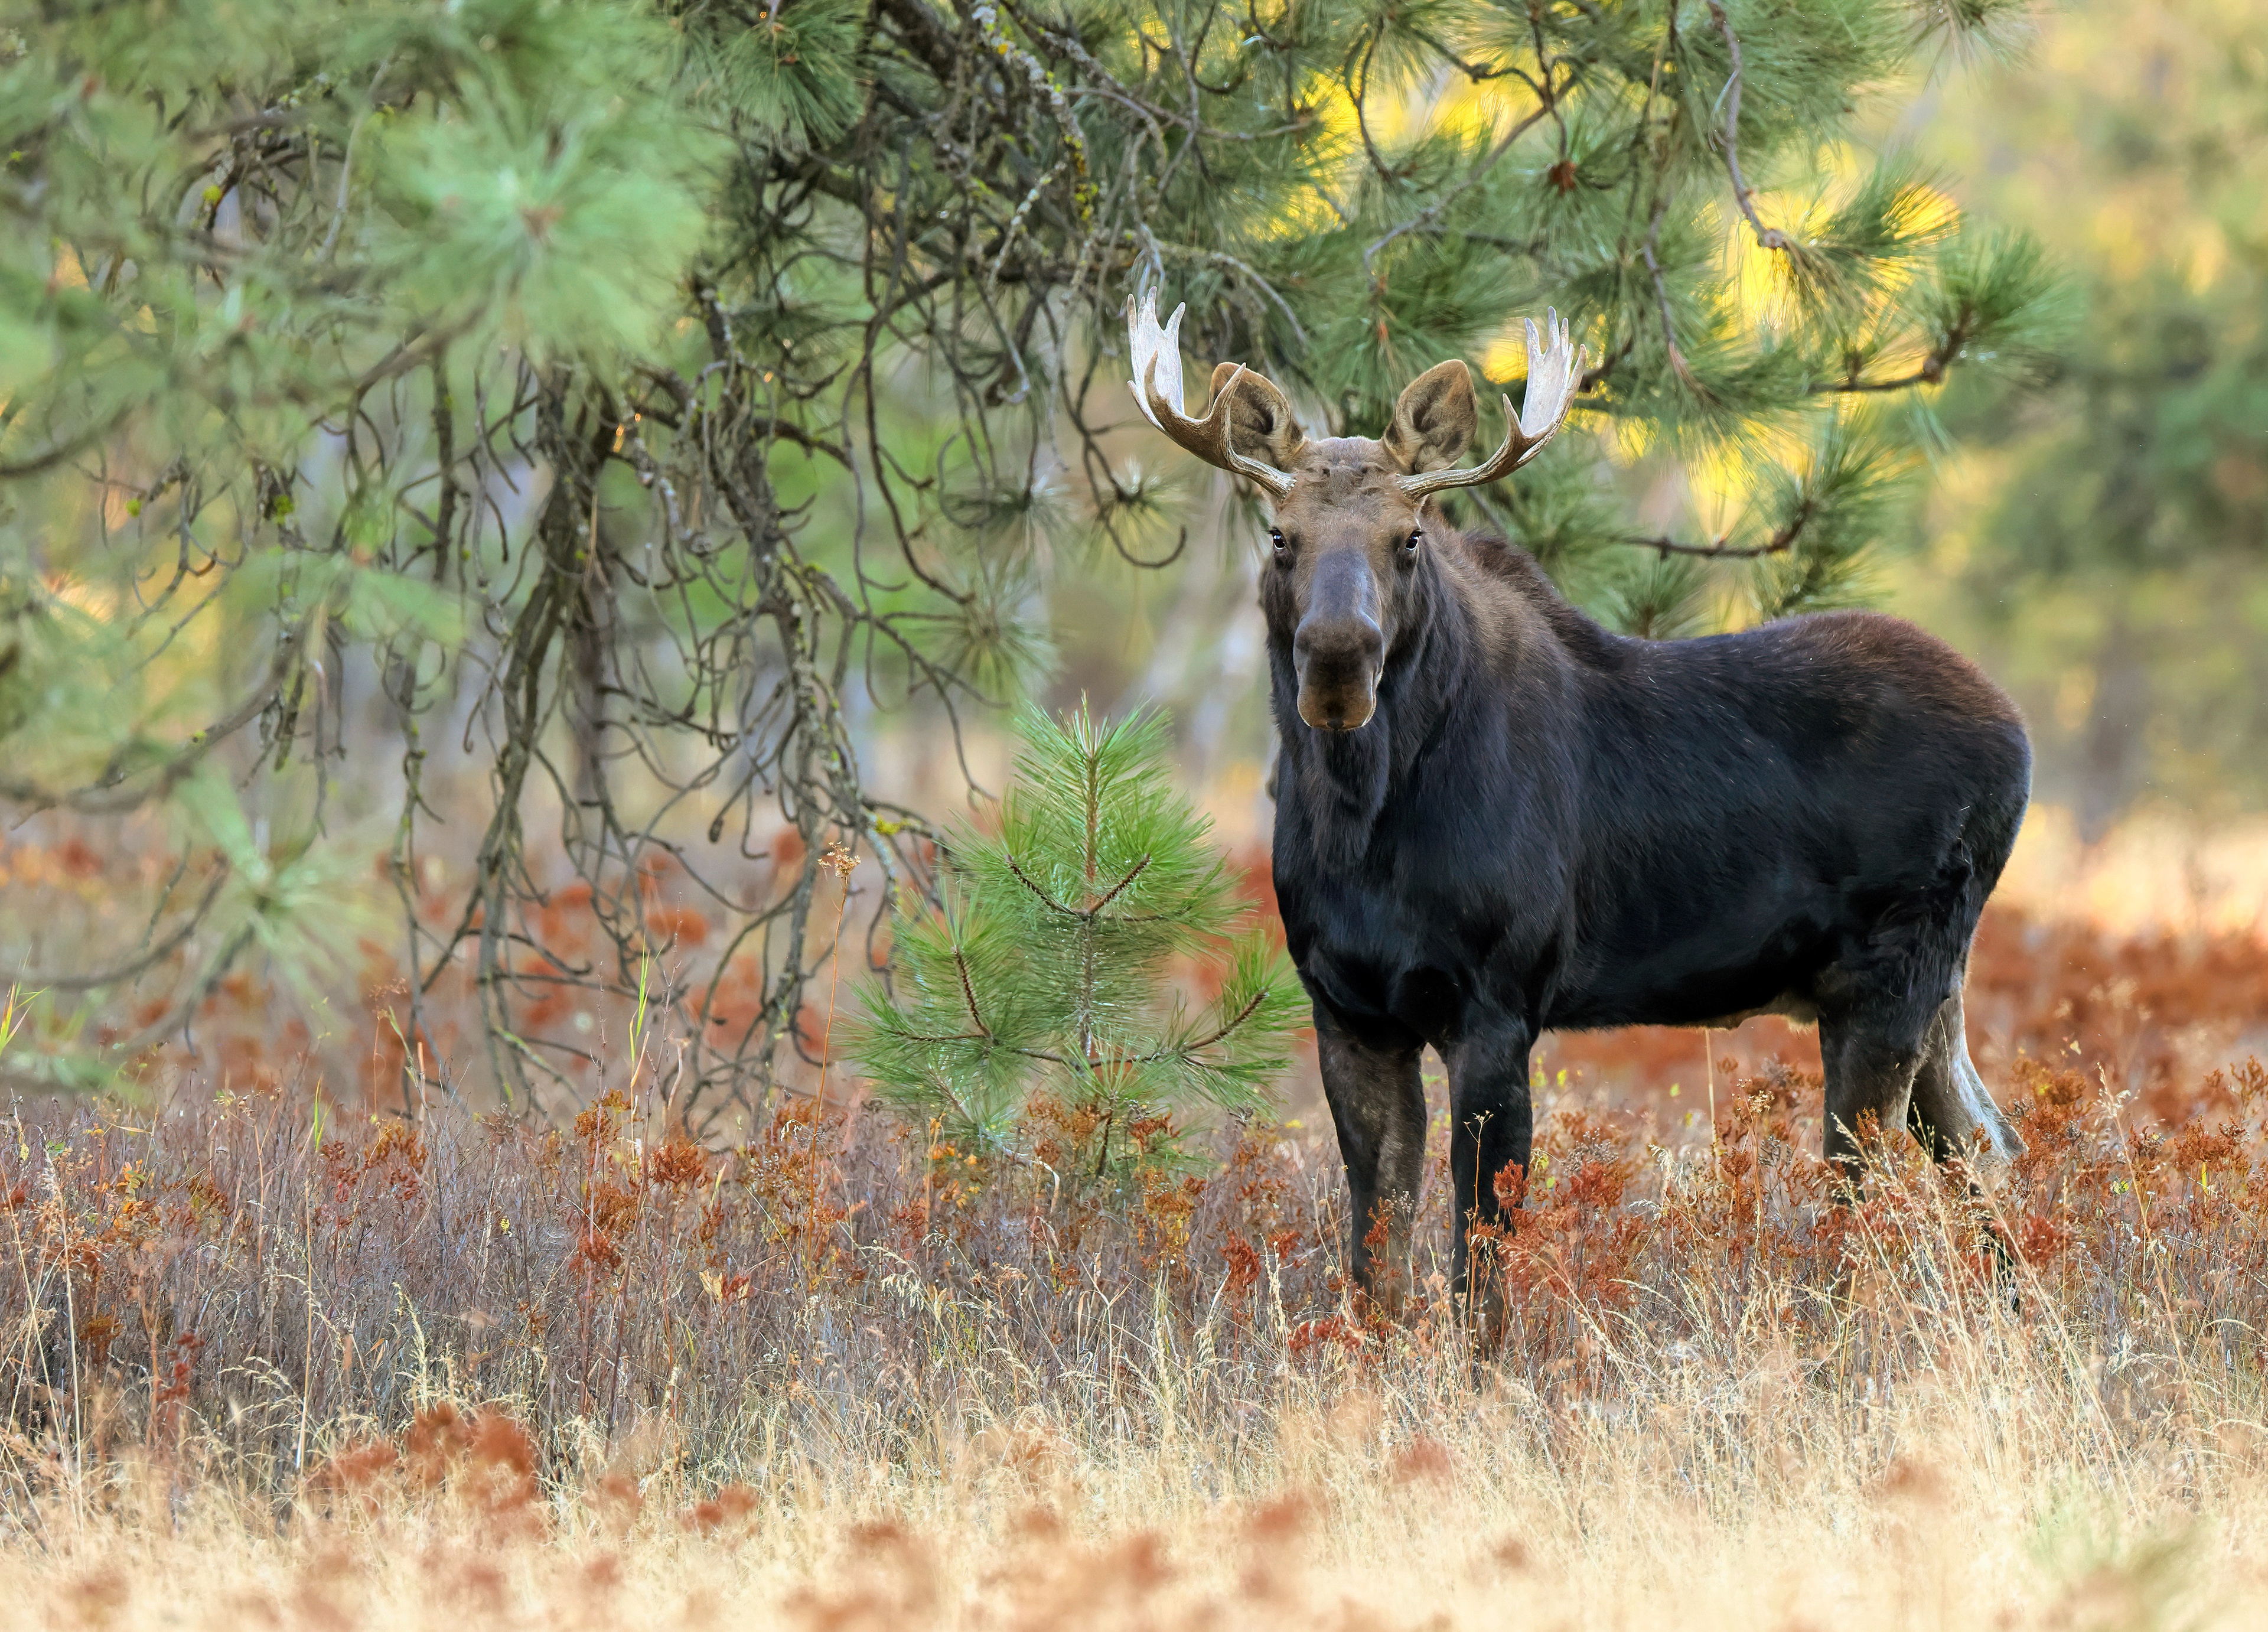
(462, 1302)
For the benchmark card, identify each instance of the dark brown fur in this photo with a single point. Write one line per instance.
(1495, 817)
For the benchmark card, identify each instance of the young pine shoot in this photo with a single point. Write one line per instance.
(1042, 1008)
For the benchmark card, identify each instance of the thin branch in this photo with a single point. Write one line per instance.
(149, 960)
(48, 458)
(1226, 1027)
(1119, 888)
(1719, 551)
(968, 993)
(1931, 372)
(1771, 238)
(1047, 900)
(107, 798)
(1432, 213)
(1779, 543)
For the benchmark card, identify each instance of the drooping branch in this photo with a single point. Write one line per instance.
(1931, 372)
(111, 794)
(1783, 540)
(1770, 238)
(155, 954)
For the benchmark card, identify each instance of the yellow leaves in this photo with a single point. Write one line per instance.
(2206, 258)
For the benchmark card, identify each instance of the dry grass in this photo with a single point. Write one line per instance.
(270, 1365)
(827, 1382)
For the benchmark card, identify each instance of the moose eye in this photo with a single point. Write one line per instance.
(1417, 537)
(1283, 550)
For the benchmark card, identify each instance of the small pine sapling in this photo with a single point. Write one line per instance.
(1039, 1011)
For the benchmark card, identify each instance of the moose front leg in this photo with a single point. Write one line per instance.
(1492, 1129)
(1378, 1104)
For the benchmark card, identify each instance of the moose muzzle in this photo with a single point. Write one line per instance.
(1338, 650)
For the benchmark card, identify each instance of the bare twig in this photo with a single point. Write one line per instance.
(1771, 238)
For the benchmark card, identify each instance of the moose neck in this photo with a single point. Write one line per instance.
(1343, 779)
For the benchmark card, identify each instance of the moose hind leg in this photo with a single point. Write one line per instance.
(1956, 1120)
(1882, 1014)
(1378, 1105)
(1951, 1112)
(1871, 1054)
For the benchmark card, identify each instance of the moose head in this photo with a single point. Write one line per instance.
(1350, 513)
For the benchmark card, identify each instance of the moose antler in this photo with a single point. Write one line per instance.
(1552, 372)
(1157, 387)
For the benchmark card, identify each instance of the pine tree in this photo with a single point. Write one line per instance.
(2112, 563)
(640, 392)
(1033, 1009)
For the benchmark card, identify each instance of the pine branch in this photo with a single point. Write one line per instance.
(1119, 888)
(1251, 1007)
(149, 959)
(1430, 216)
(1931, 372)
(1781, 542)
(1770, 238)
(56, 454)
(1049, 901)
(1721, 550)
(1661, 301)
(969, 994)
(107, 798)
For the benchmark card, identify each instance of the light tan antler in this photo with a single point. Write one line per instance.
(1553, 371)
(1157, 387)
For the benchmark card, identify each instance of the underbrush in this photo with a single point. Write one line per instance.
(275, 1356)
(860, 1379)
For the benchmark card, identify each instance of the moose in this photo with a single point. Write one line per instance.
(1495, 817)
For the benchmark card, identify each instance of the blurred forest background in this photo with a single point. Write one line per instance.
(491, 497)
(2102, 549)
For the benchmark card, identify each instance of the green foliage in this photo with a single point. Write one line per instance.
(793, 77)
(653, 395)
(1034, 1007)
(1837, 502)
(291, 898)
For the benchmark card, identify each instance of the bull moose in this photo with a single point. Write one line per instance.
(1493, 816)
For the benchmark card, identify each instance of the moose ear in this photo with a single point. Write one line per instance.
(1260, 424)
(1434, 420)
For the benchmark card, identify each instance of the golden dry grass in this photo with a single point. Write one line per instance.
(1971, 1524)
(1989, 1487)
